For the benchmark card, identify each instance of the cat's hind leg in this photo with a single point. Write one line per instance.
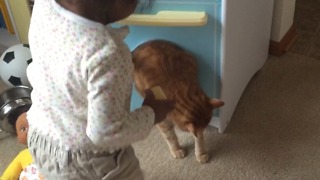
(200, 149)
(166, 128)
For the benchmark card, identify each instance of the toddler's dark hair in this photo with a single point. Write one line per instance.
(15, 113)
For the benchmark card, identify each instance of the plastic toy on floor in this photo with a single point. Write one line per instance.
(22, 166)
(13, 102)
(13, 64)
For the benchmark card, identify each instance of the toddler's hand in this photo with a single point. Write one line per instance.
(160, 107)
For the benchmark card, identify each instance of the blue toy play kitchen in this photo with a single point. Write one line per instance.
(230, 39)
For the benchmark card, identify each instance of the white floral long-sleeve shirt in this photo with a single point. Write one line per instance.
(82, 81)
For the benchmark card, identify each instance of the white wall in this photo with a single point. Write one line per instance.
(282, 18)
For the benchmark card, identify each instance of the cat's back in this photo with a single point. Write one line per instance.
(160, 56)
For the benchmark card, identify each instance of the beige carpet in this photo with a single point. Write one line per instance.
(2, 49)
(273, 135)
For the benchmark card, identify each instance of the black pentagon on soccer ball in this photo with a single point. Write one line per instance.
(16, 81)
(29, 61)
(8, 57)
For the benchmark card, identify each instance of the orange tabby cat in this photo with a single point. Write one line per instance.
(162, 63)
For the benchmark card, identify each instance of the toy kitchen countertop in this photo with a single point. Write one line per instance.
(229, 38)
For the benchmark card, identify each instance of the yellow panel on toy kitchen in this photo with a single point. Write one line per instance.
(21, 14)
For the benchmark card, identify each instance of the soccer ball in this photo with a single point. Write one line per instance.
(13, 65)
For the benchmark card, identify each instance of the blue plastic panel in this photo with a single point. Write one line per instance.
(203, 42)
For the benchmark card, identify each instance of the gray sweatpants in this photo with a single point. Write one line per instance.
(56, 163)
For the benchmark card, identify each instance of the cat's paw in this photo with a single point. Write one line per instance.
(202, 158)
(178, 154)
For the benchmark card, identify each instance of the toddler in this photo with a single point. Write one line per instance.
(80, 124)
